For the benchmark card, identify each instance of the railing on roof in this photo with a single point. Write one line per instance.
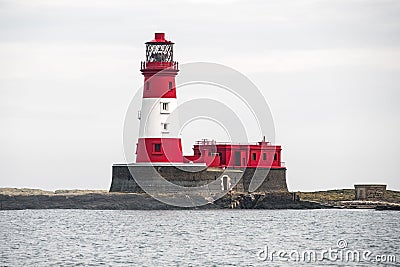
(213, 142)
(205, 142)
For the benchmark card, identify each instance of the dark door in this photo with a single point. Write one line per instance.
(237, 158)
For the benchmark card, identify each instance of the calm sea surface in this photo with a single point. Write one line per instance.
(200, 238)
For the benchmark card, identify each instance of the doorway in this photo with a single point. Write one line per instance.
(237, 158)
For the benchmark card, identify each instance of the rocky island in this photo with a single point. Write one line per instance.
(23, 198)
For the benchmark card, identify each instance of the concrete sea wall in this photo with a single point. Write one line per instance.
(270, 180)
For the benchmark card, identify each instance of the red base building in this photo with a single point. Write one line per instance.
(213, 154)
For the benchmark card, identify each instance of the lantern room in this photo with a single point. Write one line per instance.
(159, 53)
(159, 49)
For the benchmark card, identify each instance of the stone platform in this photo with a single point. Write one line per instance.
(190, 175)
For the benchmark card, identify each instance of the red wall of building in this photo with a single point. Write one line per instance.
(240, 156)
(166, 153)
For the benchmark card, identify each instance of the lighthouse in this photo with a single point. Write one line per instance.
(213, 169)
(158, 136)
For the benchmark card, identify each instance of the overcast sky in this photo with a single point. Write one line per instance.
(330, 71)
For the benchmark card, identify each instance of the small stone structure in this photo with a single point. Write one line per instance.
(370, 191)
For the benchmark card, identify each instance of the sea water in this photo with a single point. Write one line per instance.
(200, 238)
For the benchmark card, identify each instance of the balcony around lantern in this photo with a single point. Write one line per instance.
(156, 65)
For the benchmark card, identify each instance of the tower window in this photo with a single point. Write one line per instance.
(164, 107)
(254, 156)
(164, 127)
(170, 85)
(264, 156)
(157, 147)
(275, 157)
(148, 86)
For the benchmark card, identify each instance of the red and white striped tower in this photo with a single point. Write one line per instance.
(158, 140)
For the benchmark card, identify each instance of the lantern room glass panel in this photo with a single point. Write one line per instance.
(159, 53)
